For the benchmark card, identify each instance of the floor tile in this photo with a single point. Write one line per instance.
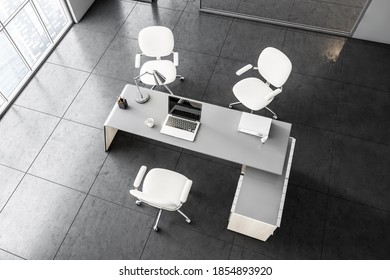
(119, 60)
(312, 158)
(103, 230)
(148, 15)
(222, 5)
(72, 157)
(171, 242)
(23, 134)
(95, 101)
(219, 91)
(313, 54)
(360, 172)
(44, 95)
(279, 10)
(241, 43)
(211, 196)
(126, 157)
(8, 256)
(106, 16)
(239, 253)
(36, 219)
(301, 232)
(309, 101)
(172, 4)
(81, 49)
(9, 180)
(365, 124)
(197, 69)
(201, 33)
(324, 15)
(354, 231)
(193, 6)
(367, 64)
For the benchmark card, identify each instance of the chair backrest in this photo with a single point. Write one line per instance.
(274, 66)
(156, 41)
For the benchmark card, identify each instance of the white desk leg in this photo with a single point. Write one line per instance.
(109, 134)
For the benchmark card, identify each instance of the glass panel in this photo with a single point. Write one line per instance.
(331, 16)
(28, 34)
(12, 68)
(52, 15)
(2, 101)
(7, 7)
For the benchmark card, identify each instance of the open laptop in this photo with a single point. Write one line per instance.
(183, 119)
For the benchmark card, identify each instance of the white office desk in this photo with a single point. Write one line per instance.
(217, 135)
(258, 204)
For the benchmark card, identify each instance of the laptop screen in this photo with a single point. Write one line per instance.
(184, 108)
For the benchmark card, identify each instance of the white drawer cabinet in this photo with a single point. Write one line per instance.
(259, 200)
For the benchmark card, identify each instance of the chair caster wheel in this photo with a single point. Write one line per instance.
(181, 78)
(155, 229)
(138, 203)
(230, 106)
(188, 221)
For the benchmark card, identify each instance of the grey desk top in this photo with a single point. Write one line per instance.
(217, 135)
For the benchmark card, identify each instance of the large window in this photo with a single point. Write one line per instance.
(28, 30)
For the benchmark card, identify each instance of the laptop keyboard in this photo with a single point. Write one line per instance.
(181, 124)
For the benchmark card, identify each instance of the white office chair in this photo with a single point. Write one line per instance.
(275, 67)
(157, 42)
(163, 189)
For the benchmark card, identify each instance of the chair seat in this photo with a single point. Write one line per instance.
(165, 67)
(251, 93)
(165, 186)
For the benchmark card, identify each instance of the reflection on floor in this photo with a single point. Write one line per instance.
(63, 197)
(338, 15)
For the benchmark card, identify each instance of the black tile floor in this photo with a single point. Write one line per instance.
(63, 197)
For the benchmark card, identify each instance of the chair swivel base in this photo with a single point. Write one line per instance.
(155, 226)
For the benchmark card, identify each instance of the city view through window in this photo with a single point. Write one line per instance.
(28, 29)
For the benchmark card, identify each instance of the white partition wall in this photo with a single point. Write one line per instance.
(375, 24)
(78, 8)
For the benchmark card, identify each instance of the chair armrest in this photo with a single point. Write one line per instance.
(176, 58)
(140, 176)
(186, 191)
(244, 69)
(137, 60)
(271, 95)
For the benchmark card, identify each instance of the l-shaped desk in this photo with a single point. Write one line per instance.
(258, 203)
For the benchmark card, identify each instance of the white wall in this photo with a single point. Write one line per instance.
(78, 8)
(375, 24)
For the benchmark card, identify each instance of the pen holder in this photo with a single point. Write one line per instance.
(122, 103)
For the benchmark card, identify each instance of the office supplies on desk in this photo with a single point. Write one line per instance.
(149, 122)
(122, 103)
(183, 119)
(255, 125)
